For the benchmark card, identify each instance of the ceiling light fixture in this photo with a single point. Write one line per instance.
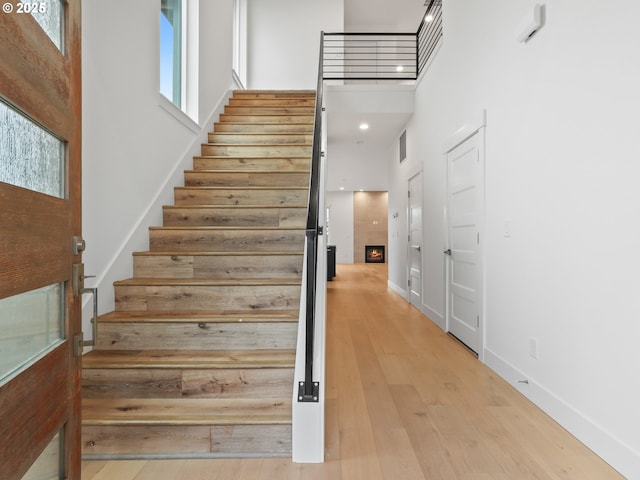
(364, 126)
(428, 18)
(399, 68)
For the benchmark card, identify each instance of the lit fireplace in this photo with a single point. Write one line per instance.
(374, 254)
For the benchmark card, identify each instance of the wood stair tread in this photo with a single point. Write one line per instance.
(228, 207)
(222, 316)
(256, 188)
(179, 253)
(188, 359)
(244, 228)
(247, 172)
(206, 282)
(191, 411)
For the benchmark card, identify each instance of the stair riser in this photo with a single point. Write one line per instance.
(194, 240)
(259, 139)
(269, 110)
(274, 94)
(221, 196)
(218, 267)
(262, 128)
(250, 179)
(256, 150)
(262, 164)
(190, 383)
(272, 119)
(194, 298)
(234, 217)
(193, 441)
(268, 102)
(194, 336)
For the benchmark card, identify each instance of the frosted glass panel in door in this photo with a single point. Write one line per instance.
(48, 14)
(30, 324)
(30, 156)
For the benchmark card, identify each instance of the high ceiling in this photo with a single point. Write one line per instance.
(383, 15)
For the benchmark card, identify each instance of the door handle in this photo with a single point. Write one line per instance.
(447, 252)
(78, 290)
(417, 247)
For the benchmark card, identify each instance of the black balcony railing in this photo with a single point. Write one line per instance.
(382, 56)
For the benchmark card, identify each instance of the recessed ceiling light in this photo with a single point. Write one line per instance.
(399, 68)
(428, 18)
(341, 188)
(364, 126)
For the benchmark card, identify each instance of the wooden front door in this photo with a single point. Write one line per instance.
(40, 161)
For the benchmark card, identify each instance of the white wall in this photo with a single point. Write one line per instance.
(134, 151)
(562, 167)
(341, 227)
(284, 41)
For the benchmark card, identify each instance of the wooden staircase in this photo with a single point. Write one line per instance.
(197, 358)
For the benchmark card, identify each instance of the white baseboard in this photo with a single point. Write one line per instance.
(612, 450)
(399, 290)
(435, 317)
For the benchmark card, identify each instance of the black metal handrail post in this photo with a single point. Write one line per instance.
(309, 391)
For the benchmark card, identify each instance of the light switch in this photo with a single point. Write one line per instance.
(507, 228)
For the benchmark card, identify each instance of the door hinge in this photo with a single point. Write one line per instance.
(409, 282)
(478, 321)
(478, 238)
(409, 194)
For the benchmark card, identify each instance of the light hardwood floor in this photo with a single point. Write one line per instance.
(404, 402)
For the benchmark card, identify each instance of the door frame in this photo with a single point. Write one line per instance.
(474, 126)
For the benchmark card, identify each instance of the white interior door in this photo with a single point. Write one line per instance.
(464, 203)
(415, 241)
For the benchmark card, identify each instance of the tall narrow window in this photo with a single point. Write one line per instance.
(239, 42)
(171, 46)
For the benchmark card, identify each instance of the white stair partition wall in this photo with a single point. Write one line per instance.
(308, 417)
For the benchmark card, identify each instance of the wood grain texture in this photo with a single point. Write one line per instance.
(256, 164)
(268, 119)
(272, 296)
(292, 197)
(240, 102)
(405, 401)
(209, 316)
(263, 127)
(250, 178)
(43, 83)
(256, 150)
(193, 411)
(209, 382)
(216, 265)
(33, 420)
(197, 336)
(237, 216)
(260, 138)
(180, 359)
(269, 110)
(212, 239)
